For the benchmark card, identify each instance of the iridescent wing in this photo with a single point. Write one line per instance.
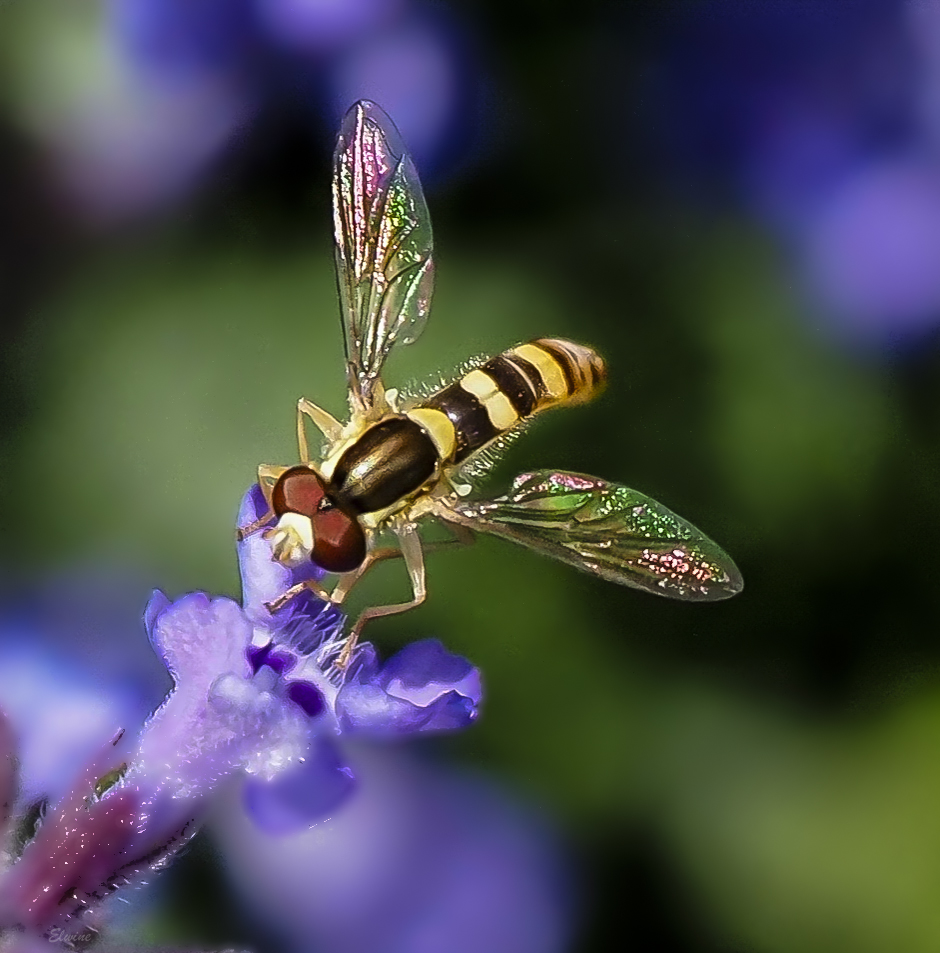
(606, 529)
(383, 245)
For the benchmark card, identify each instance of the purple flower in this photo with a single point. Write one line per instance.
(421, 689)
(260, 694)
(253, 695)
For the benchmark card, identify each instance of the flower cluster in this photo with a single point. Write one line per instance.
(255, 696)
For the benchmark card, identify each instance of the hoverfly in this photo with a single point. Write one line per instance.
(397, 462)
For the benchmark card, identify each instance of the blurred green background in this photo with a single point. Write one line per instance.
(756, 775)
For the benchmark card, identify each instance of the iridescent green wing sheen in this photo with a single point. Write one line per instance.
(606, 529)
(383, 245)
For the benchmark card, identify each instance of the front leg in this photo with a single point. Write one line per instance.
(308, 584)
(268, 474)
(326, 423)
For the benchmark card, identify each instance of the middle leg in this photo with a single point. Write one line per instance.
(341, 589)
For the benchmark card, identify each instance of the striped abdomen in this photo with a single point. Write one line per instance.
(491, 399)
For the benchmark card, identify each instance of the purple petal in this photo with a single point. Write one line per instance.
(218, 719)
(155, 607)
(253, 506)
(424, 688)
(199, 638)
(424, 670)
(367, 709)
(299, 797)
(263, 578)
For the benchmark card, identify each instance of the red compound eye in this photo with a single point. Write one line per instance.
(339, 543)
(298, 490)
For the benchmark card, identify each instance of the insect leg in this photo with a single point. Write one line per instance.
(249, 528)
(267, 477)
(326, 423)
(344, 586)
(268, 474)
(341, 590)
(410, 544)
(294, 592)
(463, 535)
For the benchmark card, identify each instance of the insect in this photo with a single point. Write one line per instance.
(397, 462)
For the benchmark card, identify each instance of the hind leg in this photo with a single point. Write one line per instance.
(413, 555)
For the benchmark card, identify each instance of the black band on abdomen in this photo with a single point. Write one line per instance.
(472, 425)
(514, 383)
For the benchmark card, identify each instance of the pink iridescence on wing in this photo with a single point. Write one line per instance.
(573, 481)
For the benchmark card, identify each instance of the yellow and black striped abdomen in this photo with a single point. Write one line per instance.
(491, 399)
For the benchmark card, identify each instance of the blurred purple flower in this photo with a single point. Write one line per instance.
(804, 149)
(923, 27)
(176, 82)
(139, 144)
(420, 860)
(182, 38)
(70, 676)
(742, 87)
(823, 117)
(416, 71)
(324, 25)
(873, 250)
(181, 84)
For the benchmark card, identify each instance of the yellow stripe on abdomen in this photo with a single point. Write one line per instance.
(492, 398)
(553, 377)
(498, 408)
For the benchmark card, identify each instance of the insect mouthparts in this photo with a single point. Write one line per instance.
(291, 539)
